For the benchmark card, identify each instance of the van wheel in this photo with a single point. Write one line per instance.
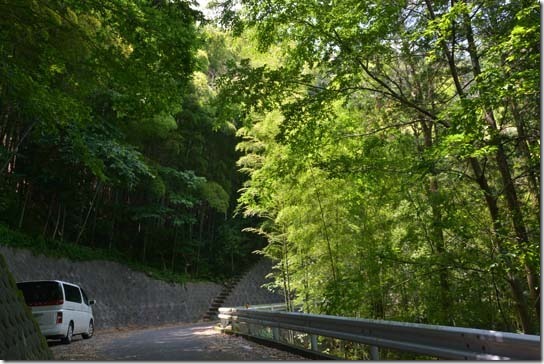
(68, 338)
(90, 331)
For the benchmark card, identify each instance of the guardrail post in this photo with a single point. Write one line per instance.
(276, 334)
(313, 339)
(374, 353)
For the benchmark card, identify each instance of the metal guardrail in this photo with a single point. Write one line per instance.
(265, 307)
(438, 341)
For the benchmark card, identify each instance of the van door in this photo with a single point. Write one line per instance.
(73, 305)
(86, 307)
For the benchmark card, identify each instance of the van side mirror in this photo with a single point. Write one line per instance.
(92, 302)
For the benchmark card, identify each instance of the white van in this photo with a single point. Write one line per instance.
(60, 308)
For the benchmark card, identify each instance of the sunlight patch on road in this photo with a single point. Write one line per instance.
(181, 333)
(206, 331)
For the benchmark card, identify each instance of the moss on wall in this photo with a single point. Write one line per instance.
(20, 336)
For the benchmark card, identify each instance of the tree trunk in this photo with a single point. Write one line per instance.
(506, 175)
(23, 210)
(285, 276)
(325, 229)
(231, 261)
(437, 233)
(516, 288)
(174, 246)
(113, 216)
(98, 187)
(63, 223)
(498, 233)
(49, 211)
(57, 221)
(523, 145)
(95, 217)
(144, 247)
(5, 167)
(201, 226)
(200, 238)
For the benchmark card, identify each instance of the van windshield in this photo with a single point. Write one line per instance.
(41, 293)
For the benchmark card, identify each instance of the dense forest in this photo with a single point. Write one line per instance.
(109, 135)
(385, 155)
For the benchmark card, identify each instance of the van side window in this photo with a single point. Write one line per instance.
(85, 299)
(72, 293)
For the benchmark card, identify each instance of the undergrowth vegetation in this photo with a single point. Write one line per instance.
(59, 249)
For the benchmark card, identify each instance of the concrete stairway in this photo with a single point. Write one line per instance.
(218, 301)
(245, 289)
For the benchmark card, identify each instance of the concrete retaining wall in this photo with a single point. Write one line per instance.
(249, 290)
(124, 297)
(20, 337)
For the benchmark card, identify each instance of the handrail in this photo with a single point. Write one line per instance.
(439, 341)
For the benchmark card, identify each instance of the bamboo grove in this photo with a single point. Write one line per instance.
(394, 156)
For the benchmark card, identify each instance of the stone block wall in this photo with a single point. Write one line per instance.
(20, 337)
(249, 289)
(124, 297)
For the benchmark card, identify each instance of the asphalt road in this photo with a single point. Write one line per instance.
(196, 342)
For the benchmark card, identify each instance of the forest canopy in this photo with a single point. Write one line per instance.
(393, 153)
